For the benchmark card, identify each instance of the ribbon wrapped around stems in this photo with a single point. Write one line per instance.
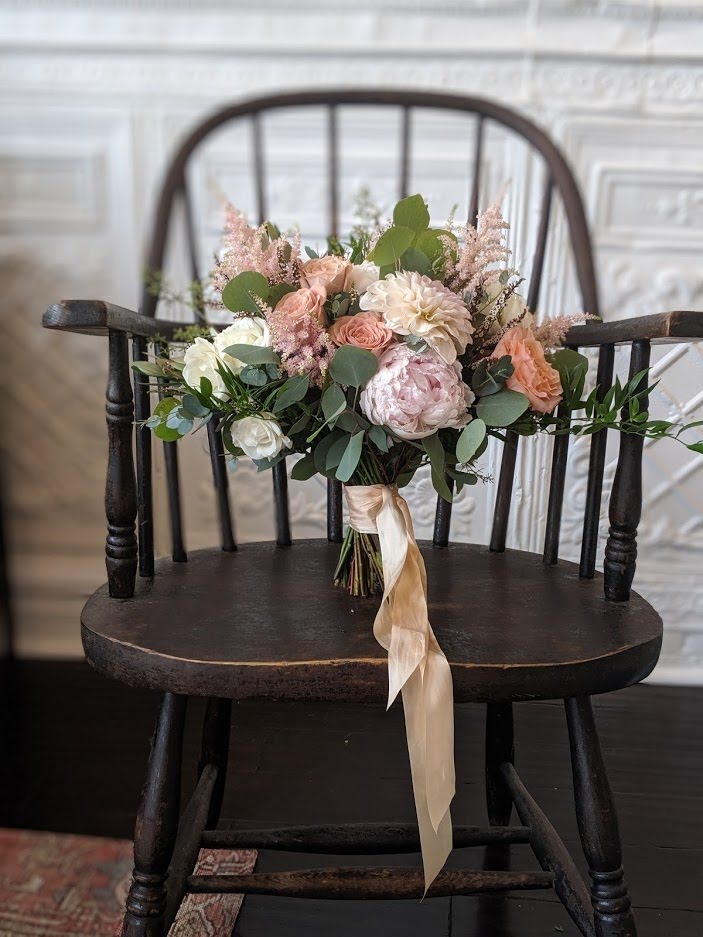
(417, 667)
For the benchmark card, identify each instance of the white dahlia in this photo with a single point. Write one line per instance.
(412, 304)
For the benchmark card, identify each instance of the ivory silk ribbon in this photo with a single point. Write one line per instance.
(417, 667)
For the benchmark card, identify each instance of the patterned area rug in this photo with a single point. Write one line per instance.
(72, 886)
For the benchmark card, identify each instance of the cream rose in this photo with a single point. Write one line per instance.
(329, 272)
(363, 275)
(308, 301)
(416, 393)
(201, 360)
(247, 330)
(512, 311)
(365, 330)
(412, 304)
(259, 437)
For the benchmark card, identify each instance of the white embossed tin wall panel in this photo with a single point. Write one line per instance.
(94, 95)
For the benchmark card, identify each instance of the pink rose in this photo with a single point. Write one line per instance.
(365, 330)
(332, 273)
(415, 393)
(305, 302)
(533, 376)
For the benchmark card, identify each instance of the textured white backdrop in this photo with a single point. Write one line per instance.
(94, 95)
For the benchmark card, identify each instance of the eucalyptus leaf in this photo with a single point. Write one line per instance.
(277, 292)
(166, 434)
(150, 369)
(320, 452)
(253, 354)
(412, 212)
(350, 459)
(335, 453)
(415, 260)
(470, 439)
(435, 450)
(304, 468)
(353, 366)
(503, 408)
(252, 376)
(430, 243)
(392, 244)
(378, 437)
(193, 406)
(333, 402)
(238, 295)
(294, 389)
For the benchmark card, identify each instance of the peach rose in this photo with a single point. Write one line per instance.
(332, 273)
(365, 330)
(308, 301)
(533, 376)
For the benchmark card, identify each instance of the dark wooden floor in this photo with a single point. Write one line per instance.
(75, 747)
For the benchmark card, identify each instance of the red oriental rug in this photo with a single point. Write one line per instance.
(72, 886)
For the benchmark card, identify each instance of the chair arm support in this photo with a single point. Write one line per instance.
(94, 317)
(681, 326)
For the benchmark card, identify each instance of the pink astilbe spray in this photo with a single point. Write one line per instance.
(552, 332)
(248, 248)
(478, 249)
(304, 346)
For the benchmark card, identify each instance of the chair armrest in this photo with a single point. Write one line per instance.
(661, 327)
(94, 317)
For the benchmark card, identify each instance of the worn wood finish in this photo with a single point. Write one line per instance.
(120, 486)
(214, 751)
(187, 845)
(443, 519)
(625, 506)
(371, 884)
(335, 516)
(504, 493)
(356, 839)
(596, 468)
(145, 496)
(173, 489)
(513, 629)
(280, 496)
(555, 504)
(157, 824)
(598, 824)
(500, 748)
(551, 853)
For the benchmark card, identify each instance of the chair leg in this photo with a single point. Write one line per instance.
(499, 749)
(598, 824)
(215, 751)
(157, 823)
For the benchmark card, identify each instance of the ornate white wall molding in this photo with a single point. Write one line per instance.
(94, 95)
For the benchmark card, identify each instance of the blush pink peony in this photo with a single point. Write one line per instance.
(308, 302)
(365, 330)
(533, 376)
(415, 393)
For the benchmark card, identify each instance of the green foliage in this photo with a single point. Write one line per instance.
(294, 389)
(490, 376)
(353, 366)
(350, 459)
(378, 437)
(241, 292)
(304, 468)
(412, 212)
(414, 259)
(503, 408)
(469, 441)
(391, 246)
(253, 354)
(435, 451)
(333, 403)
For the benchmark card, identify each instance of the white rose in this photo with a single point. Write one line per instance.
(363, 275)
(201, 360)
(247, 330)
(259, 437)
(511, 311)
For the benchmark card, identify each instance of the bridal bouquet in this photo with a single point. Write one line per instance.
(406, 345)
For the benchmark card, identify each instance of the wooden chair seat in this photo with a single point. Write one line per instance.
(265, 621)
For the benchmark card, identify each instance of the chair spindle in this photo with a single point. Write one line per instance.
(442, 519)
(405, 131)
(540, 246)
(120, 486)
(333, 154)
(472, 216)
(280, 494)
(173, 489)
(145, 494)
(625, 508)
(335, 521)
(259, 169)
(556, 495)
(596, 466)
(198, 303)
(221, 483)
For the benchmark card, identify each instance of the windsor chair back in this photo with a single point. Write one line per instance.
(263, 621)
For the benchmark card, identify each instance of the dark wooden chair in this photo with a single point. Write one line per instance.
(262, 620)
